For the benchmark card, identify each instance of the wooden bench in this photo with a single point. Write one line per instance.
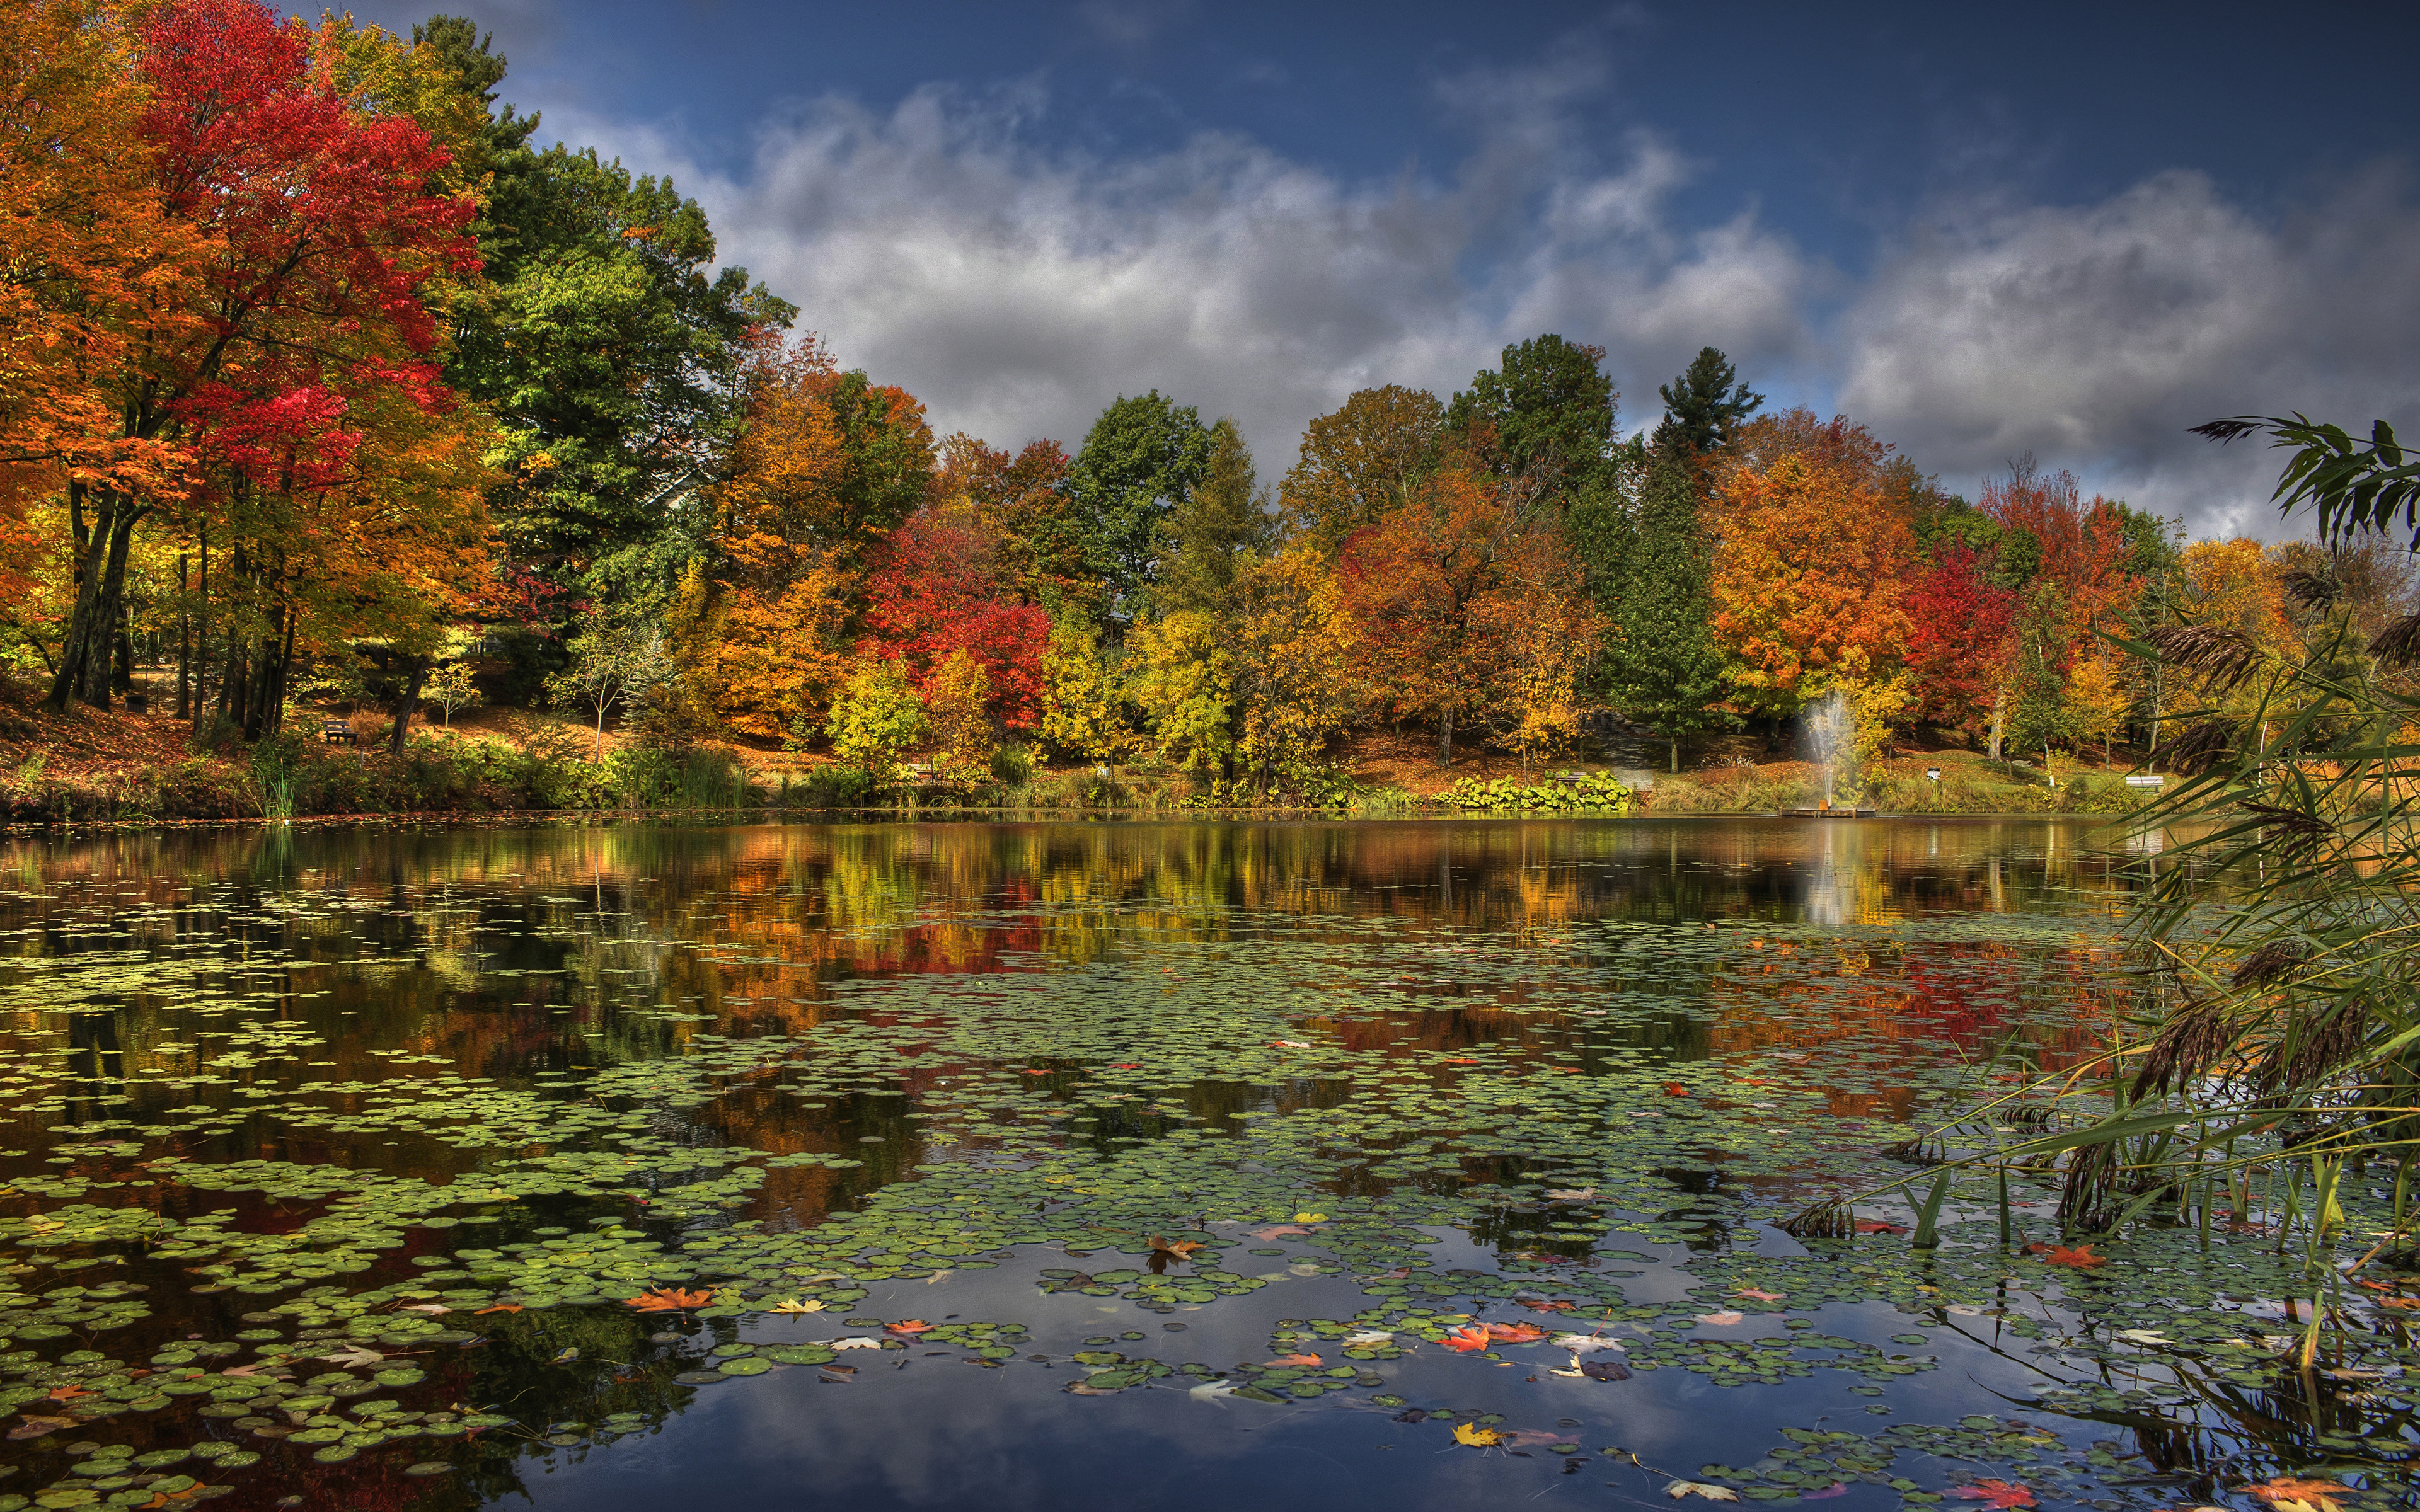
(337, 733)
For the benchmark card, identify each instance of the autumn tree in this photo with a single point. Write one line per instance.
(1958, 637)
(330, 248)
(1295, 676)
(1020, 501)
(1807, 582)
(1469, 604)
(937, 587)
(1359, 460)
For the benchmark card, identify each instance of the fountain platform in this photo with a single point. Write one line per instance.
(1828, 813)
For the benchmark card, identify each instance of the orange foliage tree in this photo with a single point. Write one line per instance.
(1809, 568)
(1467, 603)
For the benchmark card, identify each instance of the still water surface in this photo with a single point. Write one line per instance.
(336, 1159)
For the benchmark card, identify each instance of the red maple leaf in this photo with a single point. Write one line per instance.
(1466, 1339)
(1999, 1493)
(2080, 1257)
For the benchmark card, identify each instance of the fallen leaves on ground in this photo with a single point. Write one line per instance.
(667, 1300)
(1722, 1320)
(1474, 1436)
(1679, 1489)
(2001, 1493)
(792, 1304)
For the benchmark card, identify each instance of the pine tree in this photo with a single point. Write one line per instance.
(1205, 540)
(1662, 661)
(1704, 404)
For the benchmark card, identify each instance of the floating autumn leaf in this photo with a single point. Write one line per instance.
(1722, 1320)
(67, 1394)
(1476, 1437)
(667, 1300)
(434, 1309)
(1679, 1489)
(1182, 1249)
(910, 1326)
(36, 1428)
(1516, 1333)
(1577, 1194)
(2081, 1257)
(500, 1308)
(1879, 1225)
(1289, 1045)
(1466, 1339)
(1297, 1359)
(2000, 1493)
(1539, 1305)
(2287, 1493)
(1278, 1231)
(1760, 1296)
(792, 1304)
(354, 1357)
(1675, 1089)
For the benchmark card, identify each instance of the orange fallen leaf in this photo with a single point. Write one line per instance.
(1516, 1333)
(1675, 1089)
(500, 1308)
(1998, 1493)
(1550, 1306)
(1466, 1338)
(1472, 1436)
(1279, 1231)
(1295, 1359)
(1877, 1225)
(2398, 1302)
(2285, 1489)
(908, 1325)
(1182, 1249)
(1760, 1296)
(667, 1300)
(67, 1394)
(2081, 1257)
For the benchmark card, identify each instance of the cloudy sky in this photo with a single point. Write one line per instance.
(2066, 229)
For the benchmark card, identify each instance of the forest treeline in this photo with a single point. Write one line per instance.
(320, 379)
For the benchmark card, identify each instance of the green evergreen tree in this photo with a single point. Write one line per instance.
(1143, 458)
(1206, 537)
(1705, 405)
(608, 344)
(1549, 407)
(1661, 662)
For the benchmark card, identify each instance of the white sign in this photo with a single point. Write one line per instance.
(2133, 782)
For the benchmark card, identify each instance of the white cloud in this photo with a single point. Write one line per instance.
(1016, 287)
(2094, 335)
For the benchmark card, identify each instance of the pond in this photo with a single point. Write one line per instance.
(1154, 1166)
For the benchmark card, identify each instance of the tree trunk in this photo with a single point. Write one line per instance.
(184, 645)
(1999, 717)
(85, 651)
(202, 635)
(1445, 738)
(121, 675)
(1676, 755)
(410, 699)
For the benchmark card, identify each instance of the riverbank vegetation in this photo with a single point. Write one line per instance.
(334, 404)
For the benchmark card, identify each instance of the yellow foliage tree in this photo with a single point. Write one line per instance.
(955, 724)
(1082, 704)
(2096, 702)
(1293, 662)
(1184, 680)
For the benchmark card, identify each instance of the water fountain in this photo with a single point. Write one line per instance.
(1832, 732)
